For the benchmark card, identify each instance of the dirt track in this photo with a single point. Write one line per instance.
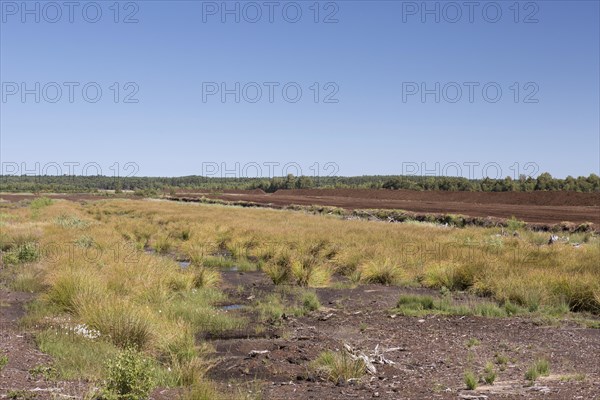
(534, 207)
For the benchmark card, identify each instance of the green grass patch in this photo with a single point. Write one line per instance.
(197, 309)
(421, 305)
(76, 356)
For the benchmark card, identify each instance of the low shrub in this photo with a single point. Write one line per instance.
(513, 224)
(130, 377)
(24, 253)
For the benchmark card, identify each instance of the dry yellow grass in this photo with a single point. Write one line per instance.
(521, 269)
(91, 274)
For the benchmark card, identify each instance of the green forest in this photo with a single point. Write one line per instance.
(145, 185)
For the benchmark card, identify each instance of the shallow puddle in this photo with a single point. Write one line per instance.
(232, 307)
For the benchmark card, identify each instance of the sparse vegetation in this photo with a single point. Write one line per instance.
(501, 360)
(419, 305)
(21, 395)
(517, 272)
(573, 377)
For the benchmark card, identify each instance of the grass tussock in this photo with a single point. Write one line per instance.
(540, 367)
(124, 324)
(338, 366)
(300, 270)
(384, 272)
(471, 380)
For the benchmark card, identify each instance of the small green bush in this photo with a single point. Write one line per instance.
(24, 253)
(532, 374)
(130, 377)
(513, 224)
(40, 202)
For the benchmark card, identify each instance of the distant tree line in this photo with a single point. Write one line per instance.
(53, 183)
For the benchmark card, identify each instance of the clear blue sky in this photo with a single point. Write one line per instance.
(369, 55)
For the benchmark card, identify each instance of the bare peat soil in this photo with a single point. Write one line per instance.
(532, 207)
(23, 377)
(430, 354)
